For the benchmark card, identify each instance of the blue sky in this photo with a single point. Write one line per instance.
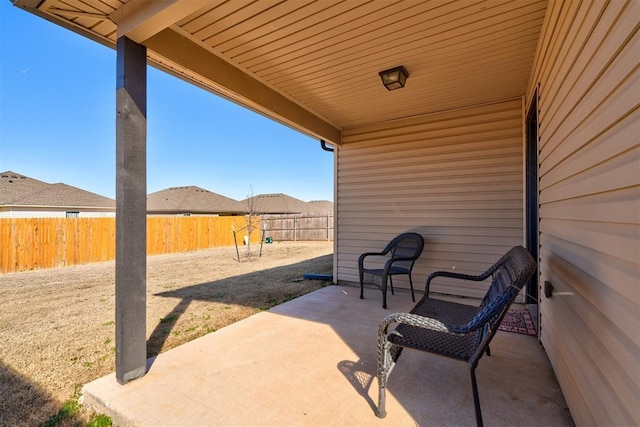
(57, 124)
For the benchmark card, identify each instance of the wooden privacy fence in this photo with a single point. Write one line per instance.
(295, 227)
(32, 243)
(172, 234)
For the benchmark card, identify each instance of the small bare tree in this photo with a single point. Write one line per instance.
(252, 219)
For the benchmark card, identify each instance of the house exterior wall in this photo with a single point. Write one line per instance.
(11, 212)
(183, 214)
(589, 169)
(455, 177)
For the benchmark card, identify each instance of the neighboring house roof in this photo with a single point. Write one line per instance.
(13, 186)
(20, 190)
(191, 199)
(276, 203)
(320, 206)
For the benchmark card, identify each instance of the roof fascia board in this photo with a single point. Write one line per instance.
(76, 14)
(227, 80)
(42, 12)
(239, 86)
(140, 19)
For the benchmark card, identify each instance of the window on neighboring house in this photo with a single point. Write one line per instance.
(73, 214)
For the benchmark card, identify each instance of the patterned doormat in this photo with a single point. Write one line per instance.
(519, 322)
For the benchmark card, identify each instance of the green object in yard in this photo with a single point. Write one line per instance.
(268, 240)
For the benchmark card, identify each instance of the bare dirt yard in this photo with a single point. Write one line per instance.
(57, 325)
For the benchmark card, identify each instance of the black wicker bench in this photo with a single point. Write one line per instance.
(450, 329)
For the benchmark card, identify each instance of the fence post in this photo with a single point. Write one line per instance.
(328, 228)
(235, 241)
(294, 228)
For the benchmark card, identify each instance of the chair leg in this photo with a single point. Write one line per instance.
(413, 297)
(383, 371)
(476, 398)
(361, 285)
(383, 287)
(382, 401)
(387, 357)
(391, 283)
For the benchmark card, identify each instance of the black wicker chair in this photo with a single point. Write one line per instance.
(454, 330)
(404, 250)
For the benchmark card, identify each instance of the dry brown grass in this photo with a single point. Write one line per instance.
(57, 325)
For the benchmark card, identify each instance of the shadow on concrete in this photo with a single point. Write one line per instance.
(359, 376)
(516, 382)
(312, 361)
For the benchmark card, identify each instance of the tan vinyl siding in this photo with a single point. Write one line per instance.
(455, 177)
(589, 151)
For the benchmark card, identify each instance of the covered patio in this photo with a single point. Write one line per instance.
(518, 125)
(312, 361)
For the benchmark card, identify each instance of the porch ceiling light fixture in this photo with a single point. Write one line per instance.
(394, 78)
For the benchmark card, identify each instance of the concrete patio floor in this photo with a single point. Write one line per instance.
(312, 361)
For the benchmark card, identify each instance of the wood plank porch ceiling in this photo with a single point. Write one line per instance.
(319, 60)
